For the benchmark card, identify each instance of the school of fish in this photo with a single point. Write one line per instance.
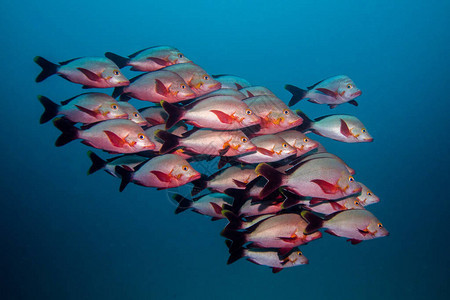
(278, 188)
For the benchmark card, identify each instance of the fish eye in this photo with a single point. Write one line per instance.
(369, 193)
(356, 202)
(136, 115)
(244, 139)
(248, 112)
(286, 112)
(363, 130)
(116, 72)
(305, 140)
(206, 77)
(141, 136)
(351, 179)
(183, 86)
(185, 168)
(299, 253)
(349, 86)
(380, 225)
(180, 55)
(284, 145)
(114, 106)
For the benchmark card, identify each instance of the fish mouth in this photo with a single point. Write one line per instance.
(195, 177)
(124, 116)
(357, 94)
(368, 140)
(123, 83)
(296, 122)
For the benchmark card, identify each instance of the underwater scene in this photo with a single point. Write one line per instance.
(226, 149)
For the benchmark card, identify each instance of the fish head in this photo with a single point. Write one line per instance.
(284, 118)
(347, 184)
(305, 145)
(176, 57)
(347, 89)
(141, 141)
(181, 91)
(112, 110)
(363, 135)
(313, 236)
(283, 149)
(114, 77)
(367, 197)
(247, 117)
(202, 83)
(241, 143)
(295, 258)
(184, 172)
(352, 203)
(136, 117)
(376, 228)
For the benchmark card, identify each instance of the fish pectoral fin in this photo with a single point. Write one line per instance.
(283, 253)
(223, 151)
(353, 102)
(336, 206)
(159, 61)
(93, 113)
(223, 117)
(276, 270)
(327, 92)
(162, 176)
(264, 151)
(354, 241)
(326, 187)
(364, 232)
(89, 74)
(115, 140)
(240, 183)
(292, 239)
(344, 129)
(217, 208)
(160, 88)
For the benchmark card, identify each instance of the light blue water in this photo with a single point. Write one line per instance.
(69, 236)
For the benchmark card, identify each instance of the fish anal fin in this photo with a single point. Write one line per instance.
(354, 241)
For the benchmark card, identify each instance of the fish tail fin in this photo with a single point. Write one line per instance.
(183, 203)
(97, 162)
(297, 94)
(124, 97)
(51, 109)
(240, 196)
(118, 91)
(274, 177)
(120, 61)
(199, 184)
(68, 129)
(48, 68)
(230, 231)
(307, 122)
(125, 175)
(235, 255)
(171, 141)
(175, 113)
(314, 222)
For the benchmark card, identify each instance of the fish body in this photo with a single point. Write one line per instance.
(91, 72)
(280, 231)
(199, 81)
(162, 172)
(128, 162)
(354, 224)
(299, 141)
(319, 178)
(224, 92)
(329, 207)
(133, 113)
(85, 108)
(275, 115)
(344, 128)
(319, 154)
(156, 86)
(115, 136)
(215, 112)
(232, 81)
(331, 91)
(269, 148)
(150, 59)
(253, 91)
(154, 115)
(208, 205)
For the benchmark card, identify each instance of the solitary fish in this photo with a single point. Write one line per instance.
(332, 91)
(232, 81)
(215, 112)
(355, 224)
(208, 205)
(114, 136)
(85, 108)
(156, 86)
(197, 78)
(322, 178)
(208, 142)
(150, 59)
(270, 258)
(343, 128)
(91, 72)
(161, 172)
(275, 115)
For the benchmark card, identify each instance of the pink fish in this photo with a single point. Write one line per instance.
(154, 115)
(329, 207)
(85, 108)
(156, 86)
(115, 136)
(208, 205)
(355, 224)
(332, 91)
(197, 78)
(275, 115)
(133, 113)
(322, 178)
(162, 172)
(269, 148)
(367, 197)
(223, 92)
(299, 141)
(91, 72)
(150, 59)
(215, 112)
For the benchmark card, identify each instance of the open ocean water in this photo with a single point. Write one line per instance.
(66, 235)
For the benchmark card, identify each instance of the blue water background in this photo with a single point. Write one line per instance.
(65, 235)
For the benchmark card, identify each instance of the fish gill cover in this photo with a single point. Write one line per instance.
(241, 148)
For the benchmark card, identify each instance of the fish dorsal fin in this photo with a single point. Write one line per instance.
(322, 117)
(68, 61)
(314, 85)
(70, 99)
(190, 132)
(138, 52)
(295, 167)
(137, 77)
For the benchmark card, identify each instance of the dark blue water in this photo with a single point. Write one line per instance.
(66, 235)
